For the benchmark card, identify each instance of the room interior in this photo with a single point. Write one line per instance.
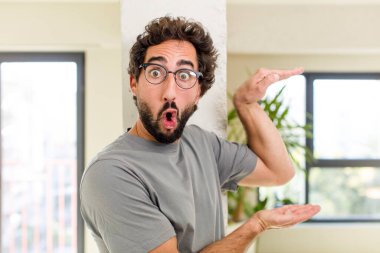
(333, 36)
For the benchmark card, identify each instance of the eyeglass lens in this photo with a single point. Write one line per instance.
(156, 74)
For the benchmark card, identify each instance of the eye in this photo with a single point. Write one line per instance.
(155, 73)
(184, 75)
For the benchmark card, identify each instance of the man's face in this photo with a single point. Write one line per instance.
(165, 108)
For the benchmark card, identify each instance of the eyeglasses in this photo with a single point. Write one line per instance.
(156, 74)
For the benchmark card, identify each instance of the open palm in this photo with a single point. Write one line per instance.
(285, 216)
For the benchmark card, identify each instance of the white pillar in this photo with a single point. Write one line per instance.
(135, 15)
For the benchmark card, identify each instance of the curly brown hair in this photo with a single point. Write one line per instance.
(177, 28)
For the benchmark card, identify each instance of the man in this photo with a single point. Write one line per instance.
(157, 188)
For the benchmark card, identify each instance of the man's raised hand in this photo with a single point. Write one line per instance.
(254, 89)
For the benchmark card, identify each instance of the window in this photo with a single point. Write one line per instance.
(41, 152)
(345, 175)
(344, 112)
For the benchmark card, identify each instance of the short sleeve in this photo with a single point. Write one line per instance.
(117, 208)
(235, 161)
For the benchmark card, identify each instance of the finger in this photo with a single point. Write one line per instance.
(306, 213)
(293, 214)
(297, 208)
(268, 77)
(299, 213)
(306, 208)
(290, 208)
(302, 214)
(284, 74)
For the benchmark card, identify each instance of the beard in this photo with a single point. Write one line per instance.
(153, 127)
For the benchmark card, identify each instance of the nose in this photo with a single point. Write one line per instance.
(169, 88)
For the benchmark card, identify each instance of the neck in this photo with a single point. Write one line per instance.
(139, 130)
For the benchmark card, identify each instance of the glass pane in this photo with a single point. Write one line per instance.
(294, 96)
(294, 191)
(347, 119)
(39, 172)
(346, 193)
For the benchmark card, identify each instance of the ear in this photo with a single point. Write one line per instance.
(133, 85)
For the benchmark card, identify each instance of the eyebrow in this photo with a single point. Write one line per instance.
(157, 58)
(162, 59)
(185, 62)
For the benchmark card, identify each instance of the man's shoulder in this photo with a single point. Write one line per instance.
(195, 130)
(115, 152)
(194, 134)
(198, 133)
(192, 128)
(199, 137)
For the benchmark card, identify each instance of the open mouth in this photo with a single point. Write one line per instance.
(169, 116)
(170, 119)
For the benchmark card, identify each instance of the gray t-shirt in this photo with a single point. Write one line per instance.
(137, 194)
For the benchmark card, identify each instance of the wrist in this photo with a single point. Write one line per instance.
(245, 97)
(237, 100)
(256, 224)
(242, 106)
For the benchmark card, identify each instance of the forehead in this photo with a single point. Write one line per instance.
(173, 51)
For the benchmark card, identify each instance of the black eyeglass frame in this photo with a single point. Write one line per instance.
(198, 74)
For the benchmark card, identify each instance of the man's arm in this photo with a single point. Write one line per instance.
(274, 166)
(241, 238)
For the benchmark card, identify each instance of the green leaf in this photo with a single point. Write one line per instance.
(261, 204)
(232, 114)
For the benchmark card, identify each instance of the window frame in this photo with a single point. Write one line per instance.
(310, 77)
(79, 59)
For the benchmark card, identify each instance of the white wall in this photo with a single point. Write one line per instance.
(322, 238)
(303, 29)
(90, 28)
